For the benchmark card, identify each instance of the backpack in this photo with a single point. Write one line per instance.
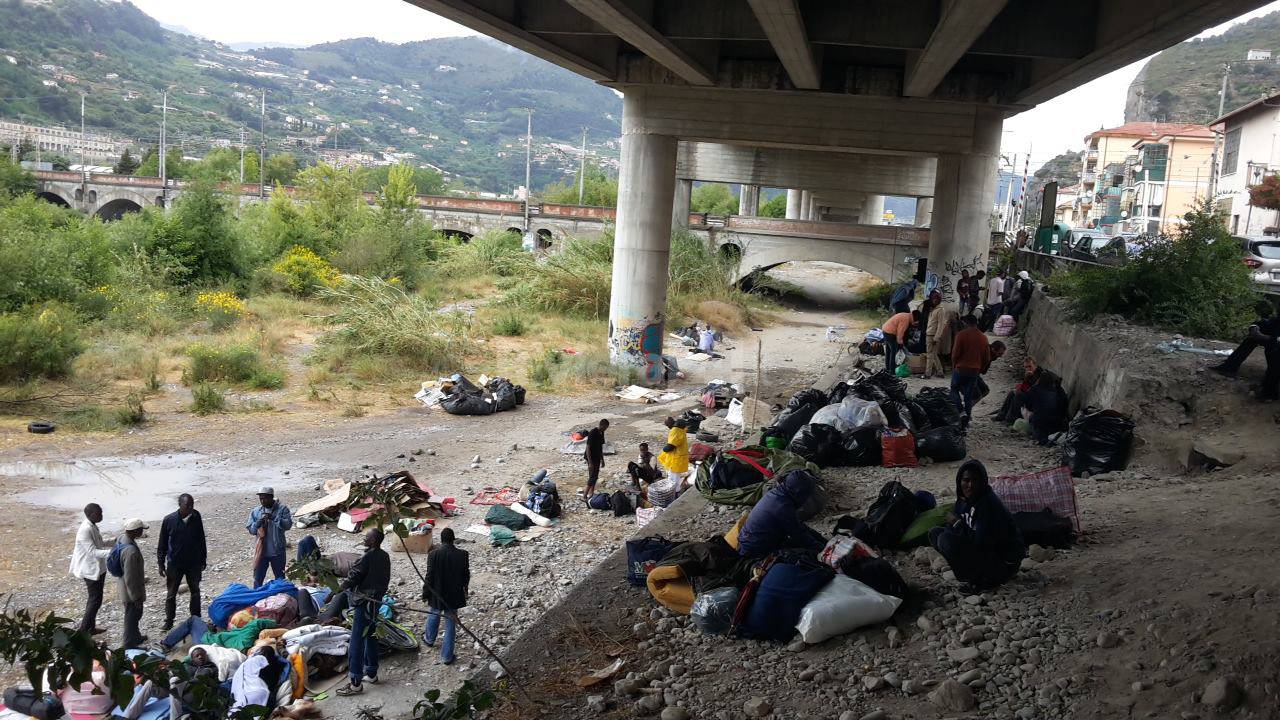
(1045, 528)
(25, 701)
(876, 573)
(621, 504)
(643, 554)
(599, 501)
(889, 516)
(115, 564)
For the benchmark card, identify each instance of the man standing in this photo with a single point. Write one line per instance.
(970, 357)
(901, 300)
(367, 583)
(942, 328)
(995, 294)
(963, 291)
(89, 563)
(133, 582)
(594, 456)
(895, 336)
(1263, 333)
(268, 522)
(445, 591)
(183, 555)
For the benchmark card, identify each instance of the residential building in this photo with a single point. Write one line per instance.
(63, 141)
(1170, 175)
(1099, 206)
(1251, 151)
(1065, 211)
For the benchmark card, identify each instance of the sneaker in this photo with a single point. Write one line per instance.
(161, 648)
(371, 679)
(351, 689)
(97, 631)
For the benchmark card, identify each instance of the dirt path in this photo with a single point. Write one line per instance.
(222, 460)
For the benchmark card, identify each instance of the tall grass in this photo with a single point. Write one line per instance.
(375, 317)
(241, 363)
(590, 370)
(494, 253)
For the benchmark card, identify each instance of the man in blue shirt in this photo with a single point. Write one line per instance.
(268, 522)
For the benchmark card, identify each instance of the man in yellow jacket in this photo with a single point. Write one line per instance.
(675, 455)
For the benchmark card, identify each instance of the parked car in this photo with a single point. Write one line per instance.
(1262, 255)
(1093, 246)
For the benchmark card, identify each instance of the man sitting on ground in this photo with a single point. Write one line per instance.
(1045, 407)
(774, 523)
(1264, 333)
(642, 468)
(981, 542)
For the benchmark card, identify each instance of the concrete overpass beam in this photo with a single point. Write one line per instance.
(749, 200)
(793, 204)
(619, 18)
(785, 28)
(924, 212)
(641, 247)
(961, 23)
(960, 238)
(680, 204)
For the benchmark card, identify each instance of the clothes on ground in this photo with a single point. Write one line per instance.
(983, 546)
(774, 523)
(193, 627)
(237, 597)
(241, 638)
(897, 327)
(276, 520)
(317, 639)
(448, 577)
(256, 680)
(89, 556)
(676, 460)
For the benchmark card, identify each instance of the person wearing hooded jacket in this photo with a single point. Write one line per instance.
(982, 544)
(774, 523)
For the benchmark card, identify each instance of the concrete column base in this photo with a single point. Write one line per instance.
(793, 204)
(680, 204)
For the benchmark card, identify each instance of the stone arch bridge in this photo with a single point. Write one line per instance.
(760, 242)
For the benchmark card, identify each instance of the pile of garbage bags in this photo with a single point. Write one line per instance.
(462, 397)
(847, 426)
(1098, 441)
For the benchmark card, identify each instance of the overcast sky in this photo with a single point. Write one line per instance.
(1053, 127)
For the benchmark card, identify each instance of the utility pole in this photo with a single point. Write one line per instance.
(528, 165)
(242, 155)
(262, 150)
(164, 129)
(1217, 137)
(82, 135)
(582, 167)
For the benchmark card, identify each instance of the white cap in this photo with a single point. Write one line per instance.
(1024, 275)
(134, 524)
(266, 490)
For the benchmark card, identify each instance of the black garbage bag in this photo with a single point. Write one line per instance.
(693, 420)
(504, 396)
(790, 420)
(862, 447)
(1098, 441)
(808, 396)
(899, 415)
(919, 416)
(729, 473)
(820, 444)
(889, 516)
(875, 573)
(937, 404)
(838, 393)
(467, 404)
(1045, 528)
(879, 387)
(942, 444)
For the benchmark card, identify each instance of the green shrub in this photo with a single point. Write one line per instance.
(241, 363)
(875, 296)
(493, 253)
(575, 281)
(132, 413)
(302, 272)
(375, 317)
(40, 342)
(554, 370)
(207, 398)
(511, 324)
(49, 253)
(1192, 283)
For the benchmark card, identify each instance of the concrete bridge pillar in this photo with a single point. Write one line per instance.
(749, 200)
(873, 210)
(641, 246)
(793, 204)
(924, 212)
(680, 204)
(963, 197)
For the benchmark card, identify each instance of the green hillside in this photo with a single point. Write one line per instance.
(1181, 84)
(455, 103)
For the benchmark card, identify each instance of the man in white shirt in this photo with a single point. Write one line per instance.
(89, 563)
(995, 289)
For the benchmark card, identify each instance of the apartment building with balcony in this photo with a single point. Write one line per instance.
(1169, 176)
(63, 141)
(1101, 192)
(1250, 152)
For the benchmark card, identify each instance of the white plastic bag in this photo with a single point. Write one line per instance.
(734, 415)
(855, 414)
(827, 416)
(843, 606)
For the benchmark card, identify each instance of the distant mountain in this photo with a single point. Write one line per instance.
(455, 103)
(1182, 83)
(246, 46)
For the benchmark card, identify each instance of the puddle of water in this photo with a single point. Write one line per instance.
(145, 486)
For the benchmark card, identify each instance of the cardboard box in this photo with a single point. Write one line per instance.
(420, 544)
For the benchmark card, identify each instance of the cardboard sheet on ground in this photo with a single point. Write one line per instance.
(478, 529)
(334, 499)
(645, 396)
(532, 533)
(602, 674)
(579, 447)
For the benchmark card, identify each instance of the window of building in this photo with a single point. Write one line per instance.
(1231, 152)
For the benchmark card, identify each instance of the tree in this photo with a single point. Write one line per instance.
(713, 198)
(175, 167)
(399, 195)
(211, 247)
(334, 203)
(61, 163)
(425, 180)
(599, 190)
(1266, 194)
(776, 207)
(223, 165)
(127, 164)
(14, 179)
(282, 169)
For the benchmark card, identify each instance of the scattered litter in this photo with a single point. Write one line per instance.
(1180, 343)
(644, 516)
(835, 333)
(478, 529)
(568, 351)
(601, 675)
(496, 496)
(339, 504)
(645, 396)
(459, 396)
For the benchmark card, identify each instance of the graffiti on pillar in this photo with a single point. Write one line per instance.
(639, 343)
(944, 282)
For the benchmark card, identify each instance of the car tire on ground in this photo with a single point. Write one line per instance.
(41, 428)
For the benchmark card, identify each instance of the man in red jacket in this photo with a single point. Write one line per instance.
(970, 358)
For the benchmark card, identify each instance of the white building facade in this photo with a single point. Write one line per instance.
(1250, 152)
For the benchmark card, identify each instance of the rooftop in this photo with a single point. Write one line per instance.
(1271, 101)
(1152, 131)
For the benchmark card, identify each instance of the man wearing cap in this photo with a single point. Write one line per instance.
(133, 582)
(268, 522)
(89, 563)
